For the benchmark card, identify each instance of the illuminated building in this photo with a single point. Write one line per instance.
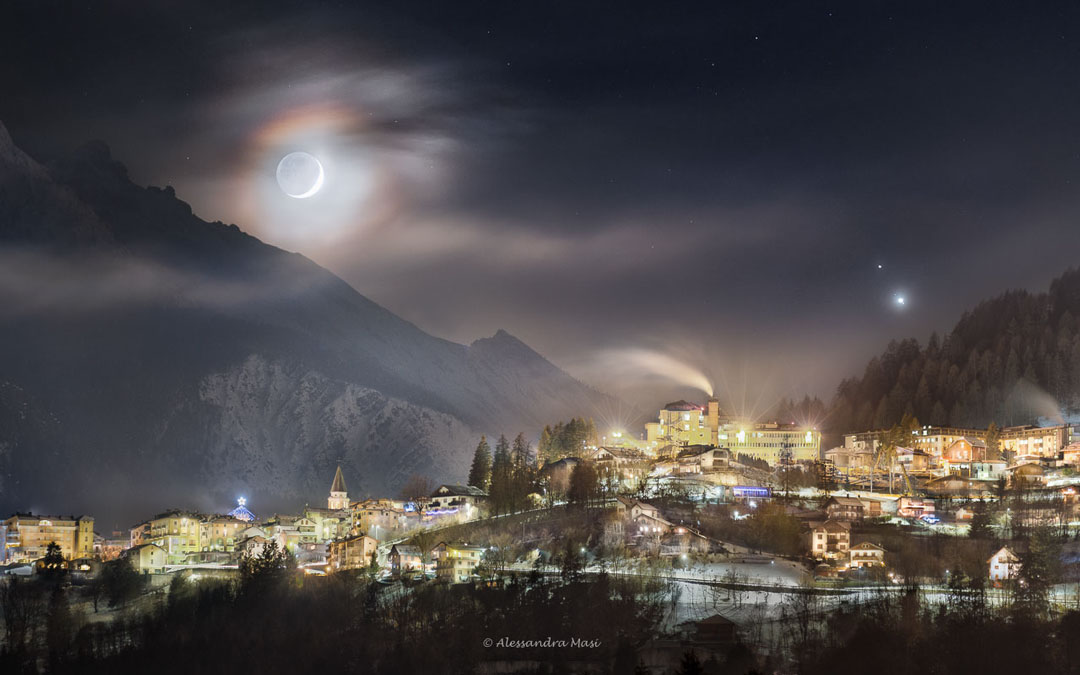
(1004, 565)
(181, 534)
(866, 555)
(624, 465)
(380, 517)
(147, 558)
(772, 442)
(701, 459)
(178, 534)
(966, 449)
(463, 500)
(936, 440)
(1070, 456)
(292, 532)
(404, 559)
(852, 508)
(351, 553)
(26, 537)
(220, 533)
(455, 563)
(329, 524)
(682, 424)
(110, 548)
(850, 458)
(1031, 440)
(335, 521)
(829, 539)
(1018, 440)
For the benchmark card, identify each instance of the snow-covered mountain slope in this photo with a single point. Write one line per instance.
(179, 362)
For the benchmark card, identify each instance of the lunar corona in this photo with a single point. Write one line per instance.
(300, 175)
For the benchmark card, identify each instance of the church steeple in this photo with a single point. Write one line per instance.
(339, 481)
(339, 497)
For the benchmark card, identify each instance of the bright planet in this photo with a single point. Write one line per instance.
(300, 175)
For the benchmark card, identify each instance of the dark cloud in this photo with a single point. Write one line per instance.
(719, 182)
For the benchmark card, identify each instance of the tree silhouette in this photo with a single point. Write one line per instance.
(480, 471)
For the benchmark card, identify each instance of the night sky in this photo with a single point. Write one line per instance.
(746, 188)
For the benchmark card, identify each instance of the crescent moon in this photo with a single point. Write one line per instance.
(316, 186)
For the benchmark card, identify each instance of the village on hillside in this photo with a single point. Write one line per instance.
(736, 516)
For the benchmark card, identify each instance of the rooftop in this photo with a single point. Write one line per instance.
(681, 405)
(458, 491)
(339, 481)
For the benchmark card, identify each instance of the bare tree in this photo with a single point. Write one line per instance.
(22, 606)
(417, 488)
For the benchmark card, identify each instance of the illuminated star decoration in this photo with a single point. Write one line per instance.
(241, 512)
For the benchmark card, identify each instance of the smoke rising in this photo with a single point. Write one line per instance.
(652, 365)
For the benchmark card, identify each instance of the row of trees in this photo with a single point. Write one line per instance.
(509, 476)
(567, 440)
(515, 481)
(1010, 360)
(273, 620)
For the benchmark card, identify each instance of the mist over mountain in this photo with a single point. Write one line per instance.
(149, 358)
(1011, 360)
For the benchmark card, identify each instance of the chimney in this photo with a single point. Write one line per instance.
(713, 420)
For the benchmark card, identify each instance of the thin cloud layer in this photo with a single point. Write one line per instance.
(719, 184)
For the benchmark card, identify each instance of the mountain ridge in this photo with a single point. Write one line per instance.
(1012, 359)
(163, 345)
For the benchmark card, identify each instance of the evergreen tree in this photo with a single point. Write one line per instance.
(521, 469)
(986, 369)
(584, 484)
(480, 472)
(544, 447)
(120, 582)
(993, 442)
(501, 477)
(52, 567)
(521, 450)
(980, 522)
(1039, 570)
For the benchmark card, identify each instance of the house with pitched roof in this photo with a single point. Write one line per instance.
(830, 539)
(1004, 564)
(456, 563)
(457, 497)
(866, 555)
(852, 508)
(147, 558)
(405, 559)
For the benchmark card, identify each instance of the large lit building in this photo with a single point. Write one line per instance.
(184, 533)
(773, 442)
(220, 533)
(351, 553)
(1032, 440)
(26, 537)
(682, 423)
(291, 532)
(381, 518)
(1019, 440)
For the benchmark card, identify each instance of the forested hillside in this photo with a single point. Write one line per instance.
(1010, 360)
